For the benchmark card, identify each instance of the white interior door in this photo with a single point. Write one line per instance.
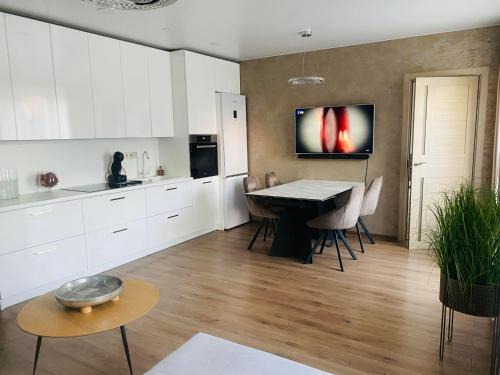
(444, 128)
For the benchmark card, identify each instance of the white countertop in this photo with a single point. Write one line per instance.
(313, 190)
(55, 196)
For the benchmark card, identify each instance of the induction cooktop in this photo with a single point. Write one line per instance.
(94, 188)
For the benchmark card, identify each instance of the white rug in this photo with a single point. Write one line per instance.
(203, 354)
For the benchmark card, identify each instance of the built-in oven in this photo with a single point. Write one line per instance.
(203, 155)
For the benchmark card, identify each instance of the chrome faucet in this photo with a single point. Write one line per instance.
(145, 156)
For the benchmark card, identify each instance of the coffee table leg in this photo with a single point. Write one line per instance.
(37, 352)
(125, 346)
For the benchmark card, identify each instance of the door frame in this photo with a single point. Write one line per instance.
(483, 74)
(496, 160)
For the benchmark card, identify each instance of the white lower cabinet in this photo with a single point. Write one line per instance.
(113, 209)
(110, 246)
(205, 203)
(167, 229)
(35, 267)
(44, 246)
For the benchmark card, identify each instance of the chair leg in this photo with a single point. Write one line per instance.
(347, 245)
(338, 250)
(317, 242)
(360, 240)
(273, 222)
(367, 232)
(256, 235)
(325, 236)
(265, 230)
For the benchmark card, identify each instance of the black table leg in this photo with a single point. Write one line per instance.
(293, 237)
(125, 346)
(37, 352)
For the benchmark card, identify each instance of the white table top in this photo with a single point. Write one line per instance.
(312, 190)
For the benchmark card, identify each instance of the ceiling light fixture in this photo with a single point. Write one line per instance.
(132, 4)
(303, 79)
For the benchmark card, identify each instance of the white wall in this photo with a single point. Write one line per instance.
(76, 162)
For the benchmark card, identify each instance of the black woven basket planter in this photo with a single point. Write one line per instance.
(476, 300)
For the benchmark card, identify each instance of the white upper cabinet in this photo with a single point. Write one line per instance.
(7, 121)
(160, 89)
(135, 76)
(200, 93)
(32, 75)
(227, 77)
(70, 50)
(106, 71)
(196, 80)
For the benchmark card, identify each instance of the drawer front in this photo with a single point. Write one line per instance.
(112, 244)
(166, 228)
(34, 267)
(38, 225)
(168, 198)
(109, 210)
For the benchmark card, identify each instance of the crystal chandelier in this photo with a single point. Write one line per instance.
(132, 4)
(303, 79)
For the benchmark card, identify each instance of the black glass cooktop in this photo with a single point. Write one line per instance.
(101, 187)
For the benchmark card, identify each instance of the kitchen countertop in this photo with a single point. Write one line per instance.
(55, 196)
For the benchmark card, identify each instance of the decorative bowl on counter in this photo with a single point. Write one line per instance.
(89, 291)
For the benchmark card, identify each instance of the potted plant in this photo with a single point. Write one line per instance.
(466, 246)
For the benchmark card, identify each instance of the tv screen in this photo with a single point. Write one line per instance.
(341, 130)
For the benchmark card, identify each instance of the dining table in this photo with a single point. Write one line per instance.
(297, 202)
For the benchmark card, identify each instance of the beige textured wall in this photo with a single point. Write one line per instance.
(368, 73)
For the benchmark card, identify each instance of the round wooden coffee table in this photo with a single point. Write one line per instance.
(45, 317)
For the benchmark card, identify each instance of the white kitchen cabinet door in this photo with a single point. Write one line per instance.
(70, 49)
(35, 267)
(200, 93)
(7, 120)
(206, 203)
(160, 88)
(32, 74)
(135, 77)
(107, 90)
(109, 246)
(227, 76)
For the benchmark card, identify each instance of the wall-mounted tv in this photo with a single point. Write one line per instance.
(338, 131)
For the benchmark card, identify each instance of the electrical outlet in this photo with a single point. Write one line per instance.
(130, 155)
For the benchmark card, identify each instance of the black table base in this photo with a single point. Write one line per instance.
(125, 347)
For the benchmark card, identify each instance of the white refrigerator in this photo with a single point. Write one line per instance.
(232, 118)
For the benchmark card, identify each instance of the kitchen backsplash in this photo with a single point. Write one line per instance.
(76, 162)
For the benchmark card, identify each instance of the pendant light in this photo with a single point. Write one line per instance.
(132, 4)
(303, 79)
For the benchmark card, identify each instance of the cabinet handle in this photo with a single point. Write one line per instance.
(170, 217)
(116, 199)
(40, 213)
(207, 182)
(175, 188)
(120, 230)
(46, 251)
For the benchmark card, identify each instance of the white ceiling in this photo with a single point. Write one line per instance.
(247, 29)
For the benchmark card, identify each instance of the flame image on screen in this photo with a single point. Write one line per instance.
(342, 129)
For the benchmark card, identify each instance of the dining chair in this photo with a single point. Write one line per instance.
(337, 220)
(252, 183)
(272, 180)
(369, 205)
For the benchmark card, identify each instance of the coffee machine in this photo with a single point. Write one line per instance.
(115, 177)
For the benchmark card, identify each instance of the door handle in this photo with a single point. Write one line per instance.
(46, 251)
(116, 199)
(40, 213)
(421, 163)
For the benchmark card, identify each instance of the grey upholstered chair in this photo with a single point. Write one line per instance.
(338, 220)
(370, 202)
(272, 180)
(252, 183)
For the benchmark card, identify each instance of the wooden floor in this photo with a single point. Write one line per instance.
(381, 316)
